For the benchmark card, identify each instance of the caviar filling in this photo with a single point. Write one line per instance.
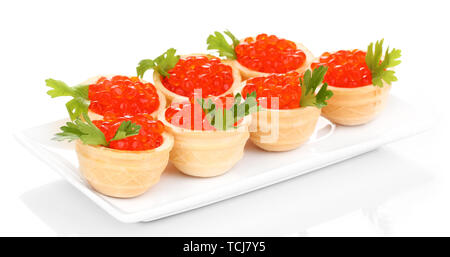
(149, 137)
(346, 68)
(269, 54)
(121, 96)
(276, 91)
(203, 73)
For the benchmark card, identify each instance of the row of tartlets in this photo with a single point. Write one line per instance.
(202, 109)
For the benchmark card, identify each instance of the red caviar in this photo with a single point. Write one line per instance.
(199, 72)
(345, 68)
(149, 137)
(285, 88)
(121, 95)
(269, 54)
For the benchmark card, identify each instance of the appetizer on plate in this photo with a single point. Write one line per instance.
(109, 96)
(210, 135)
(360, 82)
(181, 76)
(261, 55)
(289, 108)
(121, 157)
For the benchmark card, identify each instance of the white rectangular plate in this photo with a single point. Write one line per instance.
(177, 193)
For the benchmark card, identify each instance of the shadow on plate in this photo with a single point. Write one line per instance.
(287, 208)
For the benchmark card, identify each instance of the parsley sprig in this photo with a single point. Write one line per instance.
(380, 69)
(89, 134)
(161, 64)
(222, 118)
(218, 42)
(309, 84)
(80, 96)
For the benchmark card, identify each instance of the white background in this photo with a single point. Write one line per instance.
(400, 189)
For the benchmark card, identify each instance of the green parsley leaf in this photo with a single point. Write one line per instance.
(62, 89)
(161, 64)
(59, 88)
(143, 66)
(233, 38)
(323, 95)
(126, 129)
(77, 106)
(380, 69)
(69, 132)
(225, 119)
(89, 134)
(309, 84)
(80, 102)
(86, 131)
(218, 42)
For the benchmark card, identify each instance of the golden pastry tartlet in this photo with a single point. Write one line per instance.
(356, 106)
(122, 157)
(360, 81)
(123, 174)
(289, 108)
(202, 149)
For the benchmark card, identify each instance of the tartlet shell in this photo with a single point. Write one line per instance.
(355, 106)
(171, 95)
(207, 153)
(295, 127)
(123, 174)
